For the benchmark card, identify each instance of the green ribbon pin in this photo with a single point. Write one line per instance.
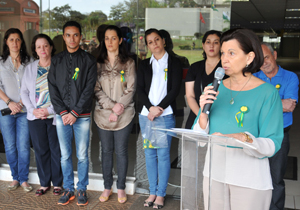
(75, 76)
(122, 76)
(166, 74)
(243, 111)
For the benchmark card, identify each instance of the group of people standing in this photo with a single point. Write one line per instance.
(51, 98)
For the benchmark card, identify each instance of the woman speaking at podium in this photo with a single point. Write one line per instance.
(249, 110)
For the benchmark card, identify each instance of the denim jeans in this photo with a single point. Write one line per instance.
(16, 139)
(118, 141)
(158, 162)
(81, 130)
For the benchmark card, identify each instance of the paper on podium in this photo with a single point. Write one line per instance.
(218, 139)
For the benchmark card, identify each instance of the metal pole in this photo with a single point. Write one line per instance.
(137, 30)
(41, 16)
(49, 17)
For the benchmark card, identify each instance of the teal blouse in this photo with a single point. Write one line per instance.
(261, 113)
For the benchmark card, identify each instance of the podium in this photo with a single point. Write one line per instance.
(200, 155)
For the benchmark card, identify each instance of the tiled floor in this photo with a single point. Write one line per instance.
(20, 200)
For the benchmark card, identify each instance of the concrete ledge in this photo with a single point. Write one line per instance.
(96, 181)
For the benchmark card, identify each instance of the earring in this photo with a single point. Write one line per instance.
(247, 65)
(165, 45)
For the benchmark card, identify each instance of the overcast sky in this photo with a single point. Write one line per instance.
(83, 6)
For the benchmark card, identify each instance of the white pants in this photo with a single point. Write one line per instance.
(231, 197)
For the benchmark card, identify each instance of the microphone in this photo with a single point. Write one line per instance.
(219, 74)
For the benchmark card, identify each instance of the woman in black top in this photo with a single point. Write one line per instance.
(201, 73)
(158, 80)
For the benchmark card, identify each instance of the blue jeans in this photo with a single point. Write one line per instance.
(158, 162)
(81, 130)
(16, 139)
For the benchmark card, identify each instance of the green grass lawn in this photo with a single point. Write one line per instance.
(192, 55)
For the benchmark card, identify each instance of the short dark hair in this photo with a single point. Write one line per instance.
(248, 42)
(24, 56)
(150, 31)
(123, 56)
(41, 36)
(72, 23)
(211, 32)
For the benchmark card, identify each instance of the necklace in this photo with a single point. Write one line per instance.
(231, 100)
(15, 64)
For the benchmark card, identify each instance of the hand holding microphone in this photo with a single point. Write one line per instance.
(210, 92)
(208, 96)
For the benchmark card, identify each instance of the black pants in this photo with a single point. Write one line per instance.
(278, 165)
(115, 141)
(47, 152)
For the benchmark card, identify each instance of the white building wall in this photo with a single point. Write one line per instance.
(185, 21)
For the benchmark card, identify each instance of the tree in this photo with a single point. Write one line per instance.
(46, 18)
(183, 3)
(137, 16)
(188, 3)
(61, 15)
(117, 11)
(97, 18)
(92, 21)
(76, 16)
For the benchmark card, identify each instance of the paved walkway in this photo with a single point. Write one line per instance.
(19, 199)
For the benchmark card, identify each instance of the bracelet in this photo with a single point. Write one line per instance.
(115, 113)
(8, 101)
(248, 139)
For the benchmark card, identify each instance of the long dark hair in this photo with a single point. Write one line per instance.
(41, 36)
(123, 56)
(24, 56)
(211, 32)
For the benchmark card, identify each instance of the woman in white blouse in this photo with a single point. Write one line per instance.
(158, 85)
(13, 122)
